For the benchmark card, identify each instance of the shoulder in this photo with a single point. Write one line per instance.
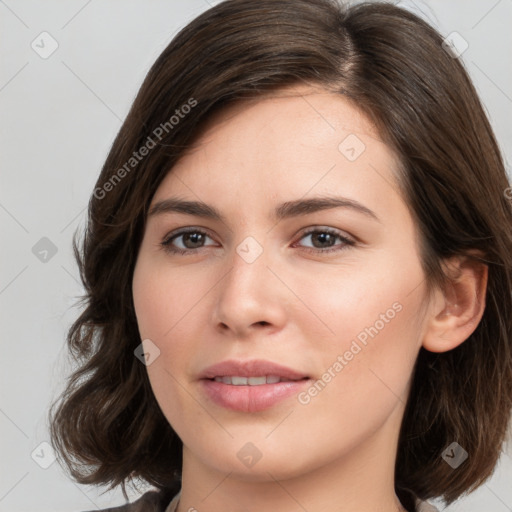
(151, 501)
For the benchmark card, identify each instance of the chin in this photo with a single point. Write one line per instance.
(256, 462)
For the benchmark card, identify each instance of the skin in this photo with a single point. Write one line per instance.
(336, 452)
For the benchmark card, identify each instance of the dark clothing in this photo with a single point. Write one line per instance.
(151, 501)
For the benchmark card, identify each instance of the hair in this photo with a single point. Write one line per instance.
(107, 426)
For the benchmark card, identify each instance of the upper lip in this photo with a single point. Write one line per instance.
(250, 368)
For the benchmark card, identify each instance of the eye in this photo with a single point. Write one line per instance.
(192, 239)
(323, 240)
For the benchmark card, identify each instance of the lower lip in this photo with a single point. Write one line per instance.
(251, 398)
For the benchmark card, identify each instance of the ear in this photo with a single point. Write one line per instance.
(456, 311)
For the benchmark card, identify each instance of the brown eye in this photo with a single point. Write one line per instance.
(325, 238)
(193, 240)
(190, 240)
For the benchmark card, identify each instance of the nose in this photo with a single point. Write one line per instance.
(250, 298)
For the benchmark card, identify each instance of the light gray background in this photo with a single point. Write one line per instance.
(59, 116)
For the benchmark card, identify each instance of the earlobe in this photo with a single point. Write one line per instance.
(456, 310)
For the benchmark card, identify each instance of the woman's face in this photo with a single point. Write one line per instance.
(313, 312)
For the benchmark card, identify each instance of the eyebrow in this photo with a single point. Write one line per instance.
(283, 211)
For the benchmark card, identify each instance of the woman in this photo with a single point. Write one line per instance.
(297, 270)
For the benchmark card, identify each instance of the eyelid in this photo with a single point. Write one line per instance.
(328, 229)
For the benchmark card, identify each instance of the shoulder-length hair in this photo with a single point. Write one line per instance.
(392, 65)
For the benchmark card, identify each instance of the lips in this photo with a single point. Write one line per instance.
(250, 386)
(251, 368)
(250, 381)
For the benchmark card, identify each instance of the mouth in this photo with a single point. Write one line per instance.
(254, 369)
(236, 380)
(250, 386)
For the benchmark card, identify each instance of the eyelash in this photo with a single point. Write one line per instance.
(166, 243)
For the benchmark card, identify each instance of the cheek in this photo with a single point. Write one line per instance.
(163, 298)
(366, 366)
(161, 303)
(370, 330)
(352, 300)
(169, 306)
(145, 298)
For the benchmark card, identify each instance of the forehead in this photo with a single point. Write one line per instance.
(279, 110)
(293, 142)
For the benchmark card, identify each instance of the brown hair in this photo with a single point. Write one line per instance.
(107, 426)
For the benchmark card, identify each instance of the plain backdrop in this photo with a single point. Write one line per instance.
(59, 115)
